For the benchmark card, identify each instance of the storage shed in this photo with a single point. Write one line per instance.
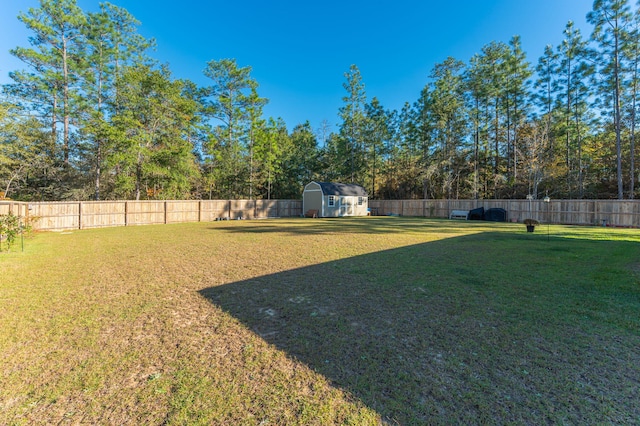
(331, 199)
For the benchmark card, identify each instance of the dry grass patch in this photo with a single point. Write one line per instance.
(358, 321)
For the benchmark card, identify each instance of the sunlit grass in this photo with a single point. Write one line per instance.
(345, 321)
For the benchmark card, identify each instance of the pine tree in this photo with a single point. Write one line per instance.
(378, 133)
(448, 108)
(228, 101)
(352, 128)
(55, 60)
(417, 143)
(631, 52)
(517, 100)
(256, 123)
(545, 88)
(573, 71)
(111, 42)
(611, 20)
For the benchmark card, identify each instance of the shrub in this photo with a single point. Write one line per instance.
(11, 226)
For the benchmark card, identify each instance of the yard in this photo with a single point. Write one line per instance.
(322, 321)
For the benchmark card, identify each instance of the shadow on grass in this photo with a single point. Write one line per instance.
(357, 225)
(458, 330)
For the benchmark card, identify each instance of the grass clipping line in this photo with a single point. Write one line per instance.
(352, 321)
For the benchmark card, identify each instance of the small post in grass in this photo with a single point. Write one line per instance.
(547, 201)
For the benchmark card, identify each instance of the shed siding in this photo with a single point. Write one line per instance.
(316, 197)
(312, 198)
(313, 201)
(331, 211)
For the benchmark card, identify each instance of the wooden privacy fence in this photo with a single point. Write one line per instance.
(98, 214)
(570, 212)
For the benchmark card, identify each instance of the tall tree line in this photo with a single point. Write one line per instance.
(93, 116)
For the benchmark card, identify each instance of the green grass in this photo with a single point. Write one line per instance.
(344, 321)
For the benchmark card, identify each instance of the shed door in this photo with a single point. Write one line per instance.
(346, 206)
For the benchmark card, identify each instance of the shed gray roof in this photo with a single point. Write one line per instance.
(334, 188)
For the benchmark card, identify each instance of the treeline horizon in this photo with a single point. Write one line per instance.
(93, 116)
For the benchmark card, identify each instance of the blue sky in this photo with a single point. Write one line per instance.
(300, 50)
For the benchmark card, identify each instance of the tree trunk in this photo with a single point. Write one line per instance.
(579, 142)
(138, 177)
(476, 145)
(54, 123)
(632, 142)
(568, 136)
(66, 112)
(616, 68)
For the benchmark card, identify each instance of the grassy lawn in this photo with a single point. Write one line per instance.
(320, 321)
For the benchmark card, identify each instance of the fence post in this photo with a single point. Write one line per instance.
(165, 212)
(80, 215)
(199, 210)
(126, 213)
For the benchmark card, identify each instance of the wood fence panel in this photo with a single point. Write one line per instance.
(587, 213)
(14, 207)
(238, 208)
(441, 208)
(267, 208)
(211, 210)
(623, 213)
(288, 208)
(430, 208)
(101, 214)
(56, 216)
(374, 207)
(387, 207)
(457, 205)
(96, 214)
(145, 213)
(413, 208)
(249, 209)
(520, 210)
(578, 212)
(605, 212)
(182, 211)
(563, 211)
